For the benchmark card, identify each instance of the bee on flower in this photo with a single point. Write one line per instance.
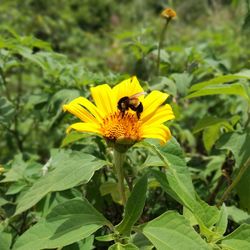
(123, 114)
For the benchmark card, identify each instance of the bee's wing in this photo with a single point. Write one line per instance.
(137, 95)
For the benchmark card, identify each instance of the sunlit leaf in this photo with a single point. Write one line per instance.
(70, 169)
(225, 89)
(172, 231)
(238, 239)
(67, 223)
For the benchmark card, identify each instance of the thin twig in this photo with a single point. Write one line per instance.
(235, 182)
(160, 45)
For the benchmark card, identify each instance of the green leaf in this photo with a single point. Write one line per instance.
(69, 170)
(73, 137)
(182, 81)
(134, 206)
(221, 225)
(177, 183)
(119, 246)
(210, 135)
(238, 143)
(161, 82)
(5, 241)
(3, 201)
(237, 215)
(112, 189)
(217, 80)
(17, 170)
(108, 237)
(238, 239)
(226, 89)
(172, 231)
(141, 241)
(208, 121)
(68, 222)
(7, 111)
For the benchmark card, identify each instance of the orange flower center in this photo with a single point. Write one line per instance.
(121, 127)
(168, 13)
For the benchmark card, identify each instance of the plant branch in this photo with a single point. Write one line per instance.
(235, 182)
(118, 164)
(160, 45)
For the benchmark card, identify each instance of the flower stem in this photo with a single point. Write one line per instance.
(161, 40)
(118, 163)
(235, 182)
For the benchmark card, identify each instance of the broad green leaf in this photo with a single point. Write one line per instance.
(5, 241)
(221, 225)
(238, 239)
(237, 215)
(217, 80)
(68, 222)
(171, 231)
(73, 137)
(134, 206)
(69, 170)
(120, 246)
(177, 183)
(226, 89)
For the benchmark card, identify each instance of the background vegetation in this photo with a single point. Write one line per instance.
(54, 51)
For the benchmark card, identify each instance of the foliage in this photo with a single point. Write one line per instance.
(60, 191)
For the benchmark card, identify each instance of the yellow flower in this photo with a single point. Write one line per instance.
(168, 13)
(105, 119)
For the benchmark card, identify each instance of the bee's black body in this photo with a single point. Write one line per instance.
(126, 103)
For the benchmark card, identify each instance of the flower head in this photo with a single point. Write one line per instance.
(122, 126)
(168, 13)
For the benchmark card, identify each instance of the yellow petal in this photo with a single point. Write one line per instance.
(77, 110)
(158, 132)
(89, 106)
(104, 99)
(152, 102)
(163, 114)
(84, 127)
(128, 88)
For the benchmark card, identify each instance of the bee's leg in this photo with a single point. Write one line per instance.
(139, 110)
(138, 114)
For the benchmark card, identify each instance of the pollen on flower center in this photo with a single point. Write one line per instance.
(118, 126)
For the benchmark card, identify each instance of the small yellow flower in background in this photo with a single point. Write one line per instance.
(168, 13)
(128, 123)
(1, 169)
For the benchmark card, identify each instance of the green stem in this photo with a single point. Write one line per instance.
(160, 45)
(118, 163)
(235, 182)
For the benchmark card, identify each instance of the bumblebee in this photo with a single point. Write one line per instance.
(132, 102)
